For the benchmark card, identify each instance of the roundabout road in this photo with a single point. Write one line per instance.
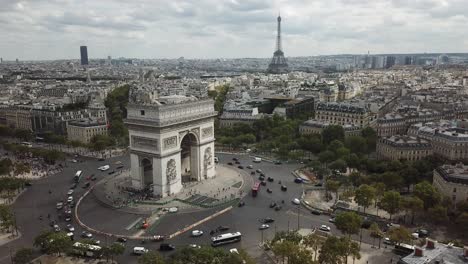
(36, 201)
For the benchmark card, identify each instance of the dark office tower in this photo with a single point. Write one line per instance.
(84, 55)
(409, 60)
(390, 62)
(278, 63)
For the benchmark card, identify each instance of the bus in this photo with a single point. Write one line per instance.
(77, 176)
(226, 239)
(403, 249)
(87, 250)
(255, 189)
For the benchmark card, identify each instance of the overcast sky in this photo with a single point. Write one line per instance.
(54, 29)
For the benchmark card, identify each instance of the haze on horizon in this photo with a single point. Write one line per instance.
(54, 29)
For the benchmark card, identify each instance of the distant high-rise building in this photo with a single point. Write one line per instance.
(17, 61)
(390, 62)
(278, 63)
(1, 60)
(84, 55)
(409, 60)
(378, 62)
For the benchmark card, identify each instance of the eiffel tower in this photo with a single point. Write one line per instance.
(278, 63)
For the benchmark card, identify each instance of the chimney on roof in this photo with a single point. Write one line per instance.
(418, 252)
(430, 244)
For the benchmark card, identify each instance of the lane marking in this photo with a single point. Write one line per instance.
(133, 224)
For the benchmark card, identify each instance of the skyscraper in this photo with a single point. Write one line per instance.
(278, 63)
(84, 55)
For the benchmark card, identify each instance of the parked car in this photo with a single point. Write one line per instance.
(272, 204)
(387, 241)
(56, 228)
(278, 207)
(316, 212)
(241, 203)
(101, 159)
(269, 191)
(423, 232)
(250, 167)
(325, 228)
(267, 220)
(240, 167)
(261, 178)
(296, 201)
(252, 172)
(270, 179)
(67, 218)
(230, 163)
(86, 234)
(263, 183)
(197, 233)
(284, 188)
(222, 228)
(70, 228)
(298, 180)
(70, 192)
(73, 186)
(264, 226)
(139, 250)
(59, 205)
(119, 167)
(70, 199)
(111, 172)
(332, 220)
(259, 170)
(237, 162)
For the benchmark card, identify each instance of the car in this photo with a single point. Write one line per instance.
(68, 211)
(86, 185)
(230, 163)
(316, 212)
(415, 235)
(52, 223)
(235, 159)
(173, 210)
(423, 232)
(118, 162)
(70, 192)
(70, 199)
(194, 246)
(73, 186)
(267, 220)
(67, 218)
(157, 238)
(120, 167)
(70, 235)
(241, 203)
(366, 223)
(262, 174)
(284, 188)
(269, 191)
(197, 233)
(270, 179)
(278, 207)
(263, 183)
(104, 168)
(222, 228)
(166, 247)
(237, 162)
(240, 167)
(272, 204)
(93, 178)
(95, 242)
(101, 159)
(252, 172)
(86, 234)
(387, 241)
(72, 204)
(70, 228)
(122, 240)
(111, 172)
(325, 228)
(249, 167)
(139, 250)
(233, 251)
(332, 220)
(264, 226)
(258, 170)
(59, 205)
(296, 201)
(28, 184)
(318, 184)
(261, 178)
(298, 180)
(74, 160)
(56, 228)
(277, 162)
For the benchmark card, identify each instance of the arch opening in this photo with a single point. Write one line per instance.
(188, 158)
(147, 168)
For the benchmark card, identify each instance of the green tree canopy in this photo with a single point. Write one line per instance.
(333, 132)
(427, 193)
(23, 256)
(348, 222)
(391, 202)
(365, 195)
(151, 257)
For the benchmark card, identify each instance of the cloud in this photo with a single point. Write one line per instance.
(52, 29)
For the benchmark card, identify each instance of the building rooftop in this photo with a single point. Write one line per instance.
(440, 254)
(405, 141)
(454, 173)
(86, 123)
(342, 107)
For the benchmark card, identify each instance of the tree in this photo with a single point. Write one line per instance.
(332, 251)
(427, 193)
(335, 145)
(462, 222)
(53, 243)
(438, 214)
(21, 168)
(339, 165)
(23, 256)
(6, 217)
(333, 132)
(348, 222)
(326, 156)
(205, 255)
(371, 138)
(113, 250)
(333, 186)
(151, 257)
(356, 144)
(364, 196)
(399, 235)
(353, 161)
(392, 180)
(391, 202)
(23, 134)
(314, 242)
(414, 205)
(410, 175)
(375, 232)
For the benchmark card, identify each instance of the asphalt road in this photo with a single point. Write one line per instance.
(37, 201)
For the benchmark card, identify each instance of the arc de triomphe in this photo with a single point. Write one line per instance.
(171, 142)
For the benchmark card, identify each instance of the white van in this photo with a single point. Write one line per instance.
(257, 160)
(139, 250)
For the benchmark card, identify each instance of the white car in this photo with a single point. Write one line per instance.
(74, 161)
(264, 226)
(296, 201)
(197, 233)
(104, 168)
(70, 192)
(234, 251)
(194, 246)
(415, 235)
(70, 234)
(387, 241)
(325, 228)
(70, 228)
(70, 199)
(173, 210)
(139, 250)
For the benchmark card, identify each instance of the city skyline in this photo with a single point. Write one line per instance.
(45, 30)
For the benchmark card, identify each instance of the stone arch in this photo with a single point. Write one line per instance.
(189, 159)
(147, 168)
